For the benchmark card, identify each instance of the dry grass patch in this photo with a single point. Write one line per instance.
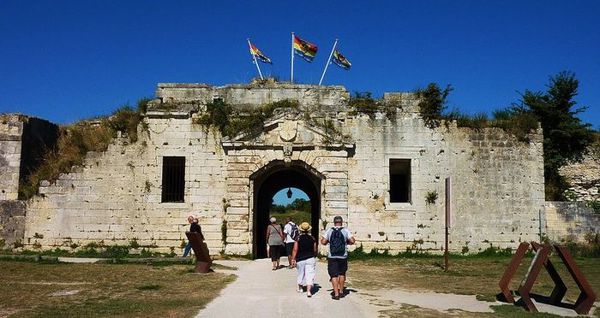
(101, 290)
(468, 276)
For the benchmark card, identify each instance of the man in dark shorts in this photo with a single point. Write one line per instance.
(338, 238)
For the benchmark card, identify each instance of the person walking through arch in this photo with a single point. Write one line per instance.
(338, 238)
(304, 259)
(291, 235)
(275, 239)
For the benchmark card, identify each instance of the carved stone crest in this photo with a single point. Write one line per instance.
(288, 130)
(288, 149)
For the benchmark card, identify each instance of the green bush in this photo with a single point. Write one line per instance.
(432, 103)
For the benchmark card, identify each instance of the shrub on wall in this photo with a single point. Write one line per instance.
(432, 103)
(232, 122)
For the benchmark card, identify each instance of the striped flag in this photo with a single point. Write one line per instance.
(305, 49)
(340, 60)
(259, 55)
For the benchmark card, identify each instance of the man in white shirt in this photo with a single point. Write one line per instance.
(290, 229)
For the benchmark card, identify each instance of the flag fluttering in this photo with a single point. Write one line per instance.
(340, 60)
(259, 55)
(304, 49)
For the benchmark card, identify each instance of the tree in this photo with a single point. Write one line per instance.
(566, 138)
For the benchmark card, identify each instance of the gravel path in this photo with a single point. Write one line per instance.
(261, 292)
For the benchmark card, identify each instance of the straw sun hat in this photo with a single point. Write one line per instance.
(305, 227)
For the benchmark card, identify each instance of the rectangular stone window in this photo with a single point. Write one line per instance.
(173, 179)
(400, 180)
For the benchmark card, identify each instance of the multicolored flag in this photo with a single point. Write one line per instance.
(258, 54)
(305, 49)
(340, 60)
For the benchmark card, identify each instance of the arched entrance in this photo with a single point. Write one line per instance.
(272, 178)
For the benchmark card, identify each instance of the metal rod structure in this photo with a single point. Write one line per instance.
(292, 68)
(448, 189)
(255, 61)
(328, 61)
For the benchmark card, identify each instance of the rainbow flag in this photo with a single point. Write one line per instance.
(259, 55)
(340, 60)
(305, 49)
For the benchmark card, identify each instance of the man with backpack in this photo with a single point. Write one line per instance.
(291, 236)
(338, 239)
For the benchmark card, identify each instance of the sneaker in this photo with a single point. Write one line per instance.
(300, 290)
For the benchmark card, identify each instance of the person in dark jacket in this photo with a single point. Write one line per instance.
(303, 258)
(194, 228)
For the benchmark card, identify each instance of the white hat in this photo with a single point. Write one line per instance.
(273, 219)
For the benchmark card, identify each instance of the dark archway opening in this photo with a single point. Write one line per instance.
(270, 180)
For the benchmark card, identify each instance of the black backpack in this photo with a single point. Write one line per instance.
(295, 233)
(337, 242)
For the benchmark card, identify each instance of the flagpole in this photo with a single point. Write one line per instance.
(255, 61)
(328, 61)
(292, 69)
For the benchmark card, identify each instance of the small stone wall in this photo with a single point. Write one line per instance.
(12, 223)
(570, 221)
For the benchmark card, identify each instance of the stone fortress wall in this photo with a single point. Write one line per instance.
(115, 197)
(11, 130)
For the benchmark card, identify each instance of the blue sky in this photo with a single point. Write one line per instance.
(69, 60)
(281, 196)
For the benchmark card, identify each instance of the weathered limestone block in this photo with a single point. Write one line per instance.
(12, 223)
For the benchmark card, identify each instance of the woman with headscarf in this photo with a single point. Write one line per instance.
(303, 257)
(275, 239)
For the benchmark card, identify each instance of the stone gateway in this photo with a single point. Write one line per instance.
(383, 171)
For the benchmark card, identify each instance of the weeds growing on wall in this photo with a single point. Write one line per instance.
(518, 124)
(433, 105)
(431, 197)
(76, 140)
(594, 205)
(364, 103)
(232, 122)
(333, 134)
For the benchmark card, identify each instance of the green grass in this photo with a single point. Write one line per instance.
(105, 290)
(466, 275)
(297, 216)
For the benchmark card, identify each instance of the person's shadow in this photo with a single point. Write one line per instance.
(347, 291)
(315, 289)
